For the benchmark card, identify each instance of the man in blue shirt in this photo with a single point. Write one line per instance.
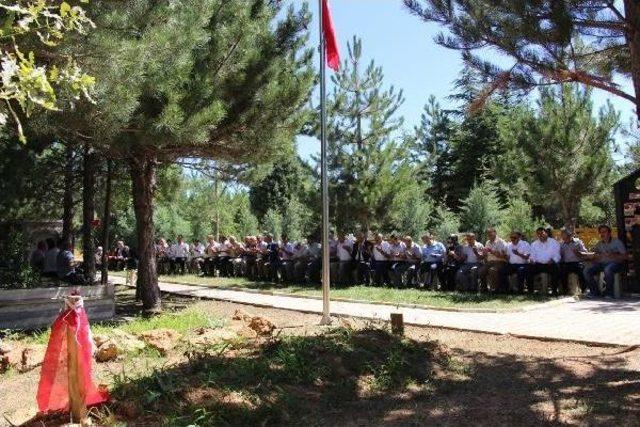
(433, 253)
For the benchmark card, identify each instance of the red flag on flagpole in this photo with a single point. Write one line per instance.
(330, 39)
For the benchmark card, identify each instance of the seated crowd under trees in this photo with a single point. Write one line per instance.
(461, 263)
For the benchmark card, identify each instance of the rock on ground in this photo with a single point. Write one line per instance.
(162, 340)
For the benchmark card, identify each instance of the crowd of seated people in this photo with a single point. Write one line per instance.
(495, 266)
(54, 259)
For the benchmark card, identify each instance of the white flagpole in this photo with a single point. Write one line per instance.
(326, 318)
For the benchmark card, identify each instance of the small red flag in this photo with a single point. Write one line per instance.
(330, 39)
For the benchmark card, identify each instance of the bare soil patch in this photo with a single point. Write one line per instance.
(353, 373)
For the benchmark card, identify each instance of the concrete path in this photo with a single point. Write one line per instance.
(612, 322)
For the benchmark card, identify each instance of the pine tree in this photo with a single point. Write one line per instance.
(367, 168)
(481, 209)
(585, 41)
(565, 151)
(211, 79)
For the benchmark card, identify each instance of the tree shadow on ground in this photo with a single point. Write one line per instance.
(371, 377)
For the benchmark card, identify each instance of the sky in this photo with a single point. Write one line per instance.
(403, 45)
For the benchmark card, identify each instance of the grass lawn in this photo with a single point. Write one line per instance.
(372, 293)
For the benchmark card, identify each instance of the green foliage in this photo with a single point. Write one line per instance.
(481, 209)
(368, 169)
(412, 213)
(518, 216)
(272, 223)
(564, 151)
(448, 223)
(553, 41)
(15, 271)
(29, 32)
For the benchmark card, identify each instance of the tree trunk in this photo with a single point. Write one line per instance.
(143, 178)
(632, 14)
(106, 222)
(67, 197)
(88, 211)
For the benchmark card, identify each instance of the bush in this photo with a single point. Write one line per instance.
(15, 271)
(517, 216)
(449, 224)
(481, 209)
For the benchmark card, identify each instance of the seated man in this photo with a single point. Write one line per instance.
(344, 247)
(66, 265)
(544, 258)
(608, 256)
(36, 261)
(313, 255)
(361, 255)
(120, 256)
(518, 251)
(179, 252)
(249, 257)
(413, 256)
(287, 251)
(467, 274)
(398, 259)
(300, 261)
(196, 263)
(49, 265)
(571, 250)
(495, 259)
(433, 253)
(380, 254)
(453, 260)
(211, 256)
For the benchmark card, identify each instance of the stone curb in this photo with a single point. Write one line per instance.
(525, 308)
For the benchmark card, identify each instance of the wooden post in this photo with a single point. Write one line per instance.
(77, 391)
(106, 220)
(397, 324)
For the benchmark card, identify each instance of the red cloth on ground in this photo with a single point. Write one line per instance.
(53, 390)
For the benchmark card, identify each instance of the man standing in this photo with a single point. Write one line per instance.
(571, 250)
(467, 275)
(495, 259)
(608, 256)
(433, 253)
(544, 258)
(518, 251)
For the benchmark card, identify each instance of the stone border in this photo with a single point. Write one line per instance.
(524, 308)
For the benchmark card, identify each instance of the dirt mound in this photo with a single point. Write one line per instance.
(162, 340)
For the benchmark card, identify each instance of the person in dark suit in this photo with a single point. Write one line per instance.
(361, 255)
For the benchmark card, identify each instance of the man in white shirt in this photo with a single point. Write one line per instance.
(518, 251)
(413, 258)
(197, 257)
(224, 257)
(287, 251)
(398, 259)
(467, 275)
(495, 259)
(344, 247)
(381, 255)
(544, 258)
(179, 252)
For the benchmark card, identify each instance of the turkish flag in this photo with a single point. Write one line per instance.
(330, 39)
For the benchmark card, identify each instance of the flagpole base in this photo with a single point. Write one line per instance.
(326, 320)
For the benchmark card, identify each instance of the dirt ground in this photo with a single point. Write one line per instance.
(496, 380)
